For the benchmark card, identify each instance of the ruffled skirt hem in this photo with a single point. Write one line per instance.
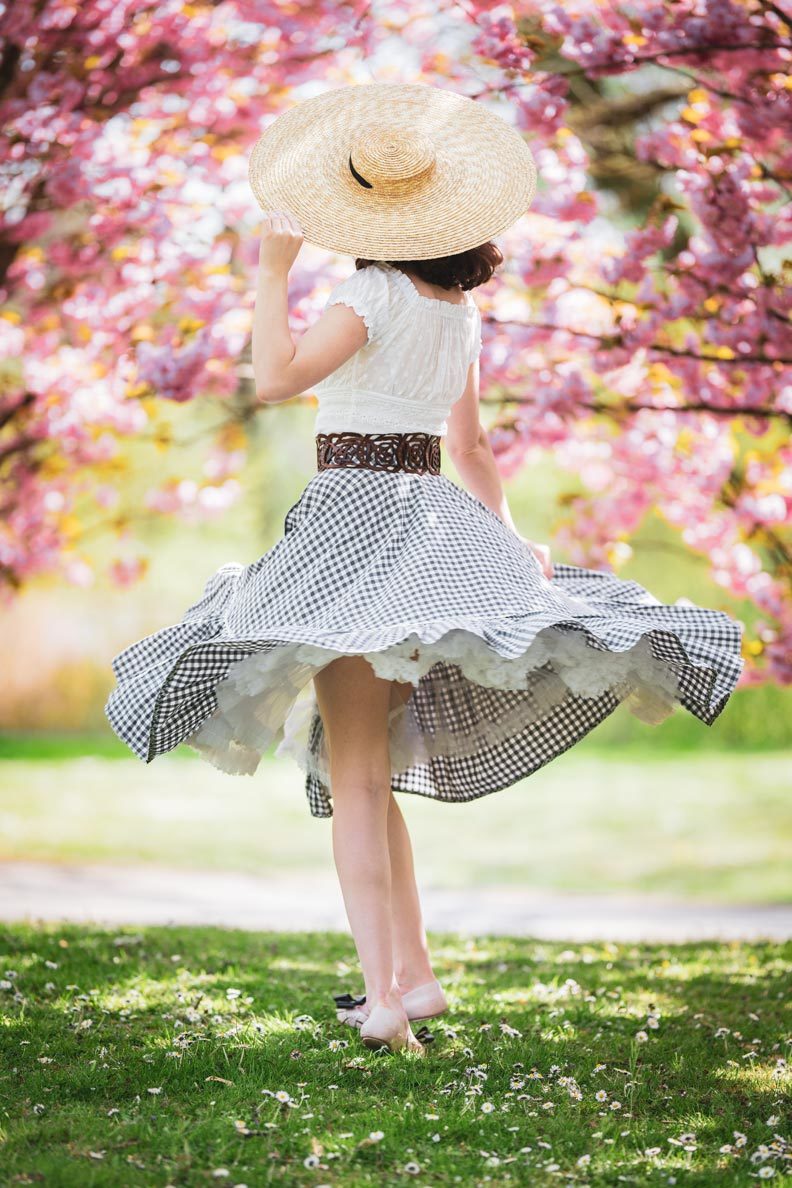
(268, 698)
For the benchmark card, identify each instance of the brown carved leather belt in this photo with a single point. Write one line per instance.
(417, 453)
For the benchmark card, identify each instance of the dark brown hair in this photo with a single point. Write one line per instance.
(466, 269)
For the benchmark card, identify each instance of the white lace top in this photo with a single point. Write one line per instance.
(413, 366)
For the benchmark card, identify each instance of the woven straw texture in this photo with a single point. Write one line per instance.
(401, 171)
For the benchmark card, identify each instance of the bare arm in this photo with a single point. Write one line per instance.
(469, 449)
(281, 367)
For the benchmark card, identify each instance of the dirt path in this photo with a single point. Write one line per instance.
(140, 895)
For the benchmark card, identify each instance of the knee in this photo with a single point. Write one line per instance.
(369, 787)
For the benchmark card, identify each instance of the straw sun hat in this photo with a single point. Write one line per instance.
(402, 171)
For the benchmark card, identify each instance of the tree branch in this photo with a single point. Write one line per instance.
(612, 341)
(628, 406)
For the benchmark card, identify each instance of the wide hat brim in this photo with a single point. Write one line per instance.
(398, 171)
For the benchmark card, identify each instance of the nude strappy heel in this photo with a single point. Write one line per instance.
(416, 1003)
(384, 1028)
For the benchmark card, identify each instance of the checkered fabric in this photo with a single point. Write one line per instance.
(368, 559)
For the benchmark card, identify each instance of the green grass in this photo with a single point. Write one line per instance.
(37, 745)
(708, 826)
(93, 1019)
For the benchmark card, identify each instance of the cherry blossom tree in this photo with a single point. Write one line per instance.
(658, 368)
(123, 160)
(639, 329)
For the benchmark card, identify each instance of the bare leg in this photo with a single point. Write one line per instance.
(354, 704)
(410, 950)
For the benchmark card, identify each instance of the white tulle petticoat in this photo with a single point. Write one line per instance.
(271, 695)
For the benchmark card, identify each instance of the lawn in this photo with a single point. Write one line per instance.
(704, 825)
(205, 1056)
(192, 1056)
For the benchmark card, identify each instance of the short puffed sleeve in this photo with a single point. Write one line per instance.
(365, 291)
(475, 349)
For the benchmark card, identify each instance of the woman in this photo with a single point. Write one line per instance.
(401, 635)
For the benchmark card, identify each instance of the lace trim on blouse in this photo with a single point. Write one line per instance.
(447, 308)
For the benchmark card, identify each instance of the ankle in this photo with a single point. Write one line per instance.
(390, 998)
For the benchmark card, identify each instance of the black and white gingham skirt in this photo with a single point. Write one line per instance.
(508, 668)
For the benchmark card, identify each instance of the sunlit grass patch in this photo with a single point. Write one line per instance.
(201, 1056)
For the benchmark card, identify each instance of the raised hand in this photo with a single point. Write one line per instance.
(281, 240)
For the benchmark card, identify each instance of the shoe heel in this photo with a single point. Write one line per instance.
(395, 1042)
(376, 1044)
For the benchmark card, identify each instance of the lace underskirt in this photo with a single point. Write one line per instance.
(269, 697)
